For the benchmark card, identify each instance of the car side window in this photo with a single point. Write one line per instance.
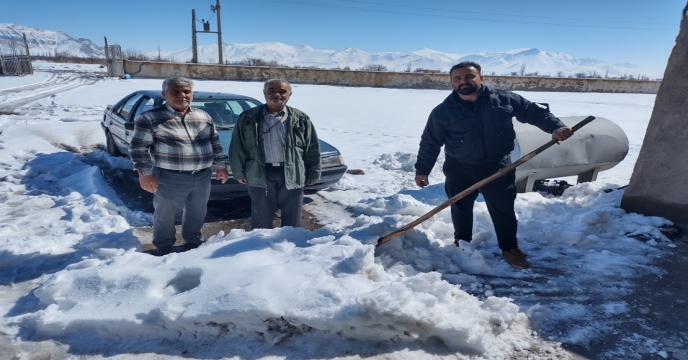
(146, 104)
(128, 106)
(117, 107)
(248, 104)
(236, 108)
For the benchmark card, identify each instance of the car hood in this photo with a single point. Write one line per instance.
(226, 138)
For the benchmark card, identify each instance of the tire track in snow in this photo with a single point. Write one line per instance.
(9, 107)
(50, 80)
(59, 81)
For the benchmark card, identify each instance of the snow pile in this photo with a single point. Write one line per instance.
(221, 290)
(270, 285)
(581, 240)
(49, 206)
(397, 161)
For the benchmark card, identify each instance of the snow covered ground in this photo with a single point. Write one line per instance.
(73, 279)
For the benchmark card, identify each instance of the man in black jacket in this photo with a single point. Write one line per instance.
(474, 125)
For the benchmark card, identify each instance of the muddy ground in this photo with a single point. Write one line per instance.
(223, 215)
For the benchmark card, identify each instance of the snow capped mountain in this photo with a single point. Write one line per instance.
(46, 42)
(497, 63)
(546, 63)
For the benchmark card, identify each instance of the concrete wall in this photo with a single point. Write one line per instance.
(658, 185)
(149, 69)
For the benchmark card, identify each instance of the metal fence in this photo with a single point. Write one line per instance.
(14, 58)
(115, 65)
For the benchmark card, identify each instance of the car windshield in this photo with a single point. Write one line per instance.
(224, 112)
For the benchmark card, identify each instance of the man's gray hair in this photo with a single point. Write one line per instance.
(265, 86)
(177, 81)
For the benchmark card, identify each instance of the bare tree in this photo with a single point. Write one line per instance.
(261, 62)
(594, 74)
(560, 74)
(254, 61)
(136, 55)
(373, 67)
(238, 62)
(523, 69)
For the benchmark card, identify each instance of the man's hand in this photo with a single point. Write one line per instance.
(310, 182)
(241, 181)
(222, 174)
(148, 183)
(422, 180)
(562, 133)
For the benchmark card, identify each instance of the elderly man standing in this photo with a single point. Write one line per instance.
(172, 149)
(275, 151)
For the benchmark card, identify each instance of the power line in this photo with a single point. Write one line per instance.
(496, 14)
(394, 12)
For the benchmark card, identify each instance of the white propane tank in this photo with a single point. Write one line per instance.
(597, 146)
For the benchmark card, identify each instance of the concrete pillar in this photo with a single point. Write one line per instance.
(659, 184)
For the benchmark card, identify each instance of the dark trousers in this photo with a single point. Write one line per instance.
(179, 192)
(499, 196)
(265, 202)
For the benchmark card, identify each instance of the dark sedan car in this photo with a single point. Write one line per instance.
(224, 108)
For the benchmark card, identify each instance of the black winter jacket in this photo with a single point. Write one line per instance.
(481, 132)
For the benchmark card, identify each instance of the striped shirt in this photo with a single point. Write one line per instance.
(274, 133)
(168, 139)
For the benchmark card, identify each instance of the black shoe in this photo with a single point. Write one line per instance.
(188, 246)
(159, 252)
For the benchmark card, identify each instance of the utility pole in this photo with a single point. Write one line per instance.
(206, 29)
(216, 9)
(194, 47)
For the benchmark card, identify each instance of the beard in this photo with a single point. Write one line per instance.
(466, 90)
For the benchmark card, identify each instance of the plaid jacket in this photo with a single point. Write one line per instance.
(167, 139)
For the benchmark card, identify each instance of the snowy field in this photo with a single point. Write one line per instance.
(74, 280)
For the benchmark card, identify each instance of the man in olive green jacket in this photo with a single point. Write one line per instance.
(275, 151)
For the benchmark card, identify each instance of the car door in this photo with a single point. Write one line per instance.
(120, 117)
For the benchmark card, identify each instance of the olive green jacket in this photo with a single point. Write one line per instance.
(302, 153)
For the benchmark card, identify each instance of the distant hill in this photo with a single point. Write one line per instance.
(499, 63)
(46, 42)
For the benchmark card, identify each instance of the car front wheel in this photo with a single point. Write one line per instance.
(111, 146)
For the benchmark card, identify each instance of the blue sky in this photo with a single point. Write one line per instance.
(616, 31)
